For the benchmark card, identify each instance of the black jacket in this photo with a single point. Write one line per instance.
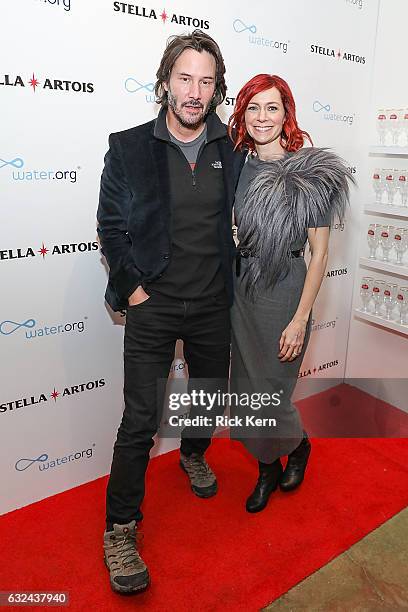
(134, 208)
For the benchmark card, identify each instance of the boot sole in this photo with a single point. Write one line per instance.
(127, 590)
(200, 493)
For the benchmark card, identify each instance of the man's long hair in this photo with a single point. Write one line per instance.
(199, 41)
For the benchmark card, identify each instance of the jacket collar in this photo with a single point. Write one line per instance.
(215, 128)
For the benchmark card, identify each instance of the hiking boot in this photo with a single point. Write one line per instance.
(202, 478)
(128, 573)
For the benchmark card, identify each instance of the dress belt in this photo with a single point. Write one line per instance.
(245, 253)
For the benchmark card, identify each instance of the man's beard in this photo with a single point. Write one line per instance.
(189, 123)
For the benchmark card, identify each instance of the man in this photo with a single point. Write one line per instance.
(165, 229)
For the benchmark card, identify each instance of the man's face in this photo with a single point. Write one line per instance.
(191, 87)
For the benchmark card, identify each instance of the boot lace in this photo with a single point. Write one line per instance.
(198, 467)
(125, 549)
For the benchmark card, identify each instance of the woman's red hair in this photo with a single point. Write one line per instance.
(292, 137)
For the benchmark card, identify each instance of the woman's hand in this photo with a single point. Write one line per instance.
(293, 337)
(291, 341)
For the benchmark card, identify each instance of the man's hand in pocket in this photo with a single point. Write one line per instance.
(138, 296)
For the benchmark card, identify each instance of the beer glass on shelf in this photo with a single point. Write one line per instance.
(366, 288)
(382, 125)
(394, 125)
(403, 186)
(373, 238)
(400, 123)
(390, 185)
(400, 243)
(402, 301)
(404, 122)
(386, 240)
(390, 298)
(378, 295)
(378, 185)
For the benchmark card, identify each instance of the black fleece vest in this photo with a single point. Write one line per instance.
(196, 202)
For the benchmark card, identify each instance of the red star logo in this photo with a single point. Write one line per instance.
(164, 16)
(338, 54)
(33, 82)
(54, 395)
(43, 251)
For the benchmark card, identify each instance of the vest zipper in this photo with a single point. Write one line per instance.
(193, 174)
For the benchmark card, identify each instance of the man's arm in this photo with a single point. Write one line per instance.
(113, 212)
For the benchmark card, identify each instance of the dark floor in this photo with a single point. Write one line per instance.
(372, 576)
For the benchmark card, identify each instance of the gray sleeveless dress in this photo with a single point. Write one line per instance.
(255, 367)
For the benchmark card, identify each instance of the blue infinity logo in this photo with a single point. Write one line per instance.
(13, 326)
(24, 464)
(317, 106)
(131, 85)
(17, 162)
(239, 26)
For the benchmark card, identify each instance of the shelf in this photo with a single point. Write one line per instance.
(383, 209)
(372, 318)
(380, 150)
(385, 266)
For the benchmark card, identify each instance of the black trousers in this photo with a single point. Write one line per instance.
(152, 329)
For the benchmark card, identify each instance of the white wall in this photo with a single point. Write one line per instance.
(378, 358)
(61, 391)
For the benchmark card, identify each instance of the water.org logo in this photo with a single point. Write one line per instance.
(65, 4)
(42, 462)
(355, 3)
(32, 330)
(317, 49)
(151, 13)
(178, 366)
(40, 398)
(322, 325)
(132, 86)
(12, 80)
(249, 33)
(326, 113)
(17, 172)
(56, 249)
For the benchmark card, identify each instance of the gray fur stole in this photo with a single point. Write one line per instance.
(282, 201)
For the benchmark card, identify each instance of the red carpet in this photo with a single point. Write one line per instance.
(210, 554)
(345, 411)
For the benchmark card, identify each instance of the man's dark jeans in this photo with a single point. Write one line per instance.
(152, 329)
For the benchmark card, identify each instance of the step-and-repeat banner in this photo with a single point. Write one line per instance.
(71, 72)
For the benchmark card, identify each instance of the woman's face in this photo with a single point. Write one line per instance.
(264, 116)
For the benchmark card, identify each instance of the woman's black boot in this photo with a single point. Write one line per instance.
(268, 480)
(296, 465)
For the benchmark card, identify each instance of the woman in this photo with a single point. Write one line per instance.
(286, 195)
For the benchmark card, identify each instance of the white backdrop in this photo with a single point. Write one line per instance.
(71, 73)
